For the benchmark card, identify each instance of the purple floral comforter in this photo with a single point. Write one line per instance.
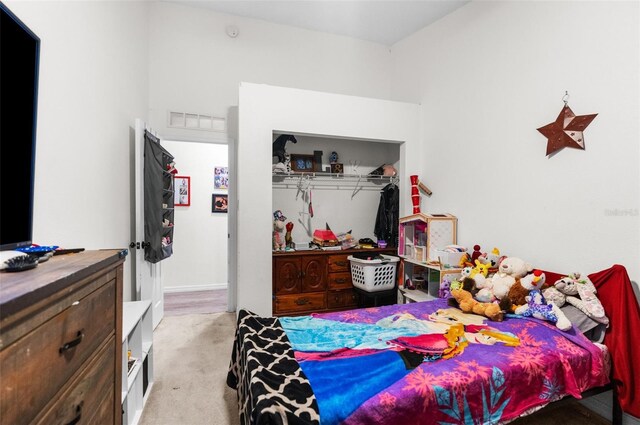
(480, 384)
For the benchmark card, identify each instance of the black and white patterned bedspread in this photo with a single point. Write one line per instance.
(272, 389)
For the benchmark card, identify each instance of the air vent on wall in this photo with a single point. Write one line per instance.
(197, 121)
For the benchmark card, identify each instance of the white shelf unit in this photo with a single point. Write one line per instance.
(420, 237)
(137, 337)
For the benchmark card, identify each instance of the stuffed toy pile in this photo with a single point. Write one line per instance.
(514, 288)
(581, 293)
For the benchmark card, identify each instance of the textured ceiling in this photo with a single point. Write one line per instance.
(380, 21)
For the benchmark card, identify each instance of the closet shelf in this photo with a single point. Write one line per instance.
(319, 180)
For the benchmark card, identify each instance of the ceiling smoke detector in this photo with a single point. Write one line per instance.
(232, 31)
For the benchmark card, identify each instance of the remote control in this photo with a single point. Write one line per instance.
(67, 251)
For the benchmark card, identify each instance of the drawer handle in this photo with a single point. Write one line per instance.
(302, 301)
(341, 280)
(78, 414)
(69, 345)
(341, 263)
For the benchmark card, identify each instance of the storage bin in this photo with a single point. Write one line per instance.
(374, 275)
(450, 259)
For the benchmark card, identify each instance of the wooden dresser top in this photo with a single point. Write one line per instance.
(21, 289)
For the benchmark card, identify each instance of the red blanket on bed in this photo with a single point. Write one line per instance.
(619, 301)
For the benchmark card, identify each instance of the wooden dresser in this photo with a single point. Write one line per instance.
(314, 281)
(61, 341)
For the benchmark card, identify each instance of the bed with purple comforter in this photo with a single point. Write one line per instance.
(419, 363)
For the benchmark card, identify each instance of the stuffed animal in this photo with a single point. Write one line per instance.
(479, 273)
(465, 302)
(510, 269)
(465, 260)
(579, 292)
(278, 230)
(476, 253)
(492, 258)
(537, 306)
(287, 237)
(280, 144)
(518, 292)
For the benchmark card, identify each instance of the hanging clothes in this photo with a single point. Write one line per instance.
(386, 227)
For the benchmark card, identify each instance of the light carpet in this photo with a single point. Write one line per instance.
(191, 359)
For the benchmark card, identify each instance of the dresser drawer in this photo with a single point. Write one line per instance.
(36, 366)
(340, 280)
(342, 299)
(301, 302)
(338, 263)
(85, 395)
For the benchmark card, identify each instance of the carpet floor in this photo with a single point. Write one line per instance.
(191, 359)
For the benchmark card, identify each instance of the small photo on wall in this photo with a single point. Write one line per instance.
(221, 178)
(219, 203)
(182, 191)
(221, 182)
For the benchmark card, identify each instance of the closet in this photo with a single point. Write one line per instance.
(347, 201)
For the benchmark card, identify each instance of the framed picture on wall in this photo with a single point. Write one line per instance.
(301, 162)
(181, 191)
(221, 178)
(219, 203)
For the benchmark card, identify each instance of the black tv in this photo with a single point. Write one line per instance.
(19, 64)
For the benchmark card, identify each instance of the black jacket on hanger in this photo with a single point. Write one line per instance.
(387, 218)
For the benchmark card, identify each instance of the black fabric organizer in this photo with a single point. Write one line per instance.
(158, 200)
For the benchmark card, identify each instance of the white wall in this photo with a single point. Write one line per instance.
(334, 202)
(199, 259)
(93, 84)
(488, 76)
(196, 67)
(263, 109)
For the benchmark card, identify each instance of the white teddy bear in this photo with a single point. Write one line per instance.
(511, 268)
(579, 292)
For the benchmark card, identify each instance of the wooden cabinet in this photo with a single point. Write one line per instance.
(340, 294)
(299, 274)
(60, 340)
(313, 281)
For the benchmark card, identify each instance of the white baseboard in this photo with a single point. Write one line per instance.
(191, 288)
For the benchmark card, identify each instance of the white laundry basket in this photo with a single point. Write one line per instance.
(374, 275)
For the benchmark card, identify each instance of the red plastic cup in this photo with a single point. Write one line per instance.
(414, 191)
(414, 180)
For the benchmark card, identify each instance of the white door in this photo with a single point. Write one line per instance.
(147, 275)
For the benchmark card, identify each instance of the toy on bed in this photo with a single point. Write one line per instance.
(581, 293)
(484, 291)
(518, 292)
(492, 258)
(278, 231)
(537, 306)
(511, 268)
(465, 302)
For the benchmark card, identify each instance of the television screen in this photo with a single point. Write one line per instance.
(19, 60)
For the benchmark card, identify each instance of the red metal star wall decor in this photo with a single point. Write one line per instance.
(566, 130)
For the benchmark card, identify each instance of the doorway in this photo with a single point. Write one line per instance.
(195, 279)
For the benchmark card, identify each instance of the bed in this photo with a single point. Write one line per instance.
(423, 363)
